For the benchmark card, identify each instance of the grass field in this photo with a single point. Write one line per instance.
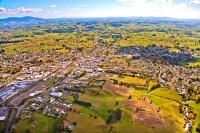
(62, 51)
(191, 63)
(151, 83)
(2, 124)
(43, 125)
(86, 124)
(196, 108)
(107, 100)
(167, 93)
(132, 80)
(51, 82)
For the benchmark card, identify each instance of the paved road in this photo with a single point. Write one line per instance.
(31, 90)
(8, 122)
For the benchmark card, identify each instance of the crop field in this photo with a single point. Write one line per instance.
(145, 112)
(123, 90)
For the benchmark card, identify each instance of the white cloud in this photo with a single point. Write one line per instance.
(57, 12)
(48, 11)
(83, 5)
(164, 1)
(74, 9)
(53, 6)
(132, 1)
(20, 10)
(159, 8)
(194, 2)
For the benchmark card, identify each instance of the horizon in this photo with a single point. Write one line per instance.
(180, 9)
(138, 17)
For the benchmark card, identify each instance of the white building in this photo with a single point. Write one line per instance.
(56, 94)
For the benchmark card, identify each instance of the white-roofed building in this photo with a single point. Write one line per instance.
(56, 94)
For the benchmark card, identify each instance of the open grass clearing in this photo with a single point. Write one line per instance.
(44, 124)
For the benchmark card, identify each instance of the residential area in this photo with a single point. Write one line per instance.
(45, 88)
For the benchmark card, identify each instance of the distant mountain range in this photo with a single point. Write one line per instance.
(21, 19)
(35, 19)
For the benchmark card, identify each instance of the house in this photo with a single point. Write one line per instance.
(56, 94)
(3, 114)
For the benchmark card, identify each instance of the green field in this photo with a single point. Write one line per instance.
(2, 124)
(51, 82)
(166, 93)
(131, 80)
(43, 124)
(65, 37)
(106, 101)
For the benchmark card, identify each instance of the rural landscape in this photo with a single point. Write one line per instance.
(99, 75)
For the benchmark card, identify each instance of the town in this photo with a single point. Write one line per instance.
(46, 79)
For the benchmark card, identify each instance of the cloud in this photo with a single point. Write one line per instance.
(132, 1)
(194, 2)
(57, 12)
(158, 8)
(74, 9)
(48, 11)
(52, 6)
(20, 10)
(164, 1)
(83, 5)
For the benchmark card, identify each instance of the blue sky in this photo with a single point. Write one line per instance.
(100, 8)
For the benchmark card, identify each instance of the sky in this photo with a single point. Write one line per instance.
(189, 9)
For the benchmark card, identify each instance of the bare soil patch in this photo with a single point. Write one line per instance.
(122, 90)
(145, 113)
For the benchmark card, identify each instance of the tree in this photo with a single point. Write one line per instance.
(198, 128)
(17, 119)
(15, 130)
(60, 127)
(60, 89)
(32, 118)
(117, 103)
(129, 97)
(190, 116)
(198, 97)
(114, 116)
(28, 130)
(76, 96)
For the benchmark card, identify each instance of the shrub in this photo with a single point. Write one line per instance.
(82, 103)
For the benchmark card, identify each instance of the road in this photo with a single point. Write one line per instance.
(9, 121)
(33, 89)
